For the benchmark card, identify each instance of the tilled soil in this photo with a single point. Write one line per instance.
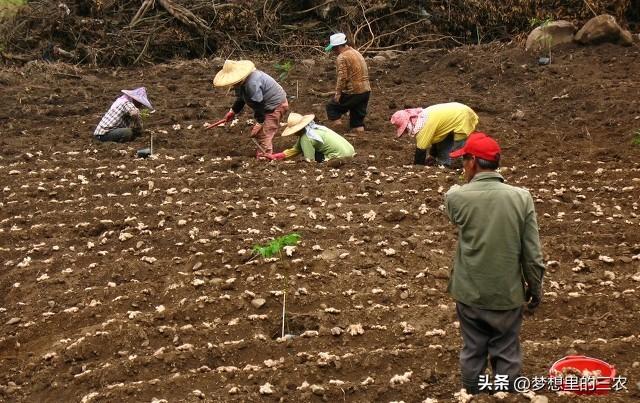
(132, 280)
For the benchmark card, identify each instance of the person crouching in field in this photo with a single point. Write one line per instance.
(440, 128)
(123, 121)
(497, 268)
(262, 93)
(315, 142)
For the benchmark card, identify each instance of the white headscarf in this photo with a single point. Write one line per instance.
(309, 131)
(422, 117)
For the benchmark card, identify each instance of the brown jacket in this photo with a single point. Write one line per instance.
(352, 72)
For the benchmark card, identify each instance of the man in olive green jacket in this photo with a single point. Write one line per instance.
(498, 264)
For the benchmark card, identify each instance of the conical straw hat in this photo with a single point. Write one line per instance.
(296, 122)
(140, 95)
(233, 72)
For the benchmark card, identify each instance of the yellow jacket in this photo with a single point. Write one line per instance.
(442, 119)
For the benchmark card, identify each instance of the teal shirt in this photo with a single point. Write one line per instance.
(332, 146)
(498, 251)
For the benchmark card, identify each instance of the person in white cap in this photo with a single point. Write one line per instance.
(315, 142)
(352, 84)
(262, 93)
(123, 122)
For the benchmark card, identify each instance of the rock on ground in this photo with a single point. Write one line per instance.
(554, 33)
(603, 28)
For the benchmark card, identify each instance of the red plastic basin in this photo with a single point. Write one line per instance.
(602, 384)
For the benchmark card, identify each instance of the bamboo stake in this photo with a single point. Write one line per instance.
(284, 303)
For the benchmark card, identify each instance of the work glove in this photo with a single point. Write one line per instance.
(275, 157)
(229, 116)
(533, 299)
(420, 157)
(430, 161)
(256, 129)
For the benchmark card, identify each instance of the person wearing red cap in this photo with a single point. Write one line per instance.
(498, 263)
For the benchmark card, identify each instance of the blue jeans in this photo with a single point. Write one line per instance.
(440, 151)
(120, 135)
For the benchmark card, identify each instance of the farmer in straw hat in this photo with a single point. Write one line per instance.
(262, 93)
(498, 265)
(316, 142)
(123, 122)
(352, 84)
(441, 128)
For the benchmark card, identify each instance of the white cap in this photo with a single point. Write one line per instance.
(335, 40)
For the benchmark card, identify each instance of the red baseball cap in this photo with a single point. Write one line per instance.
(479, 145)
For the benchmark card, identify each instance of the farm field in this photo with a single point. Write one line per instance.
(127, 279)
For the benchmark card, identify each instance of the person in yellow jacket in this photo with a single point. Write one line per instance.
(440, 128)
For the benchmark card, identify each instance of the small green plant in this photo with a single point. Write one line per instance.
(276, 246)
(636, 138)
(539, 22)
(272, 249)
(545, 39)
(284, 68)
(145, 114)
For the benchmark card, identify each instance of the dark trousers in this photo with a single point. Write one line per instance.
(355, 104)
(120, 135)
(491, 336)
(440, 151)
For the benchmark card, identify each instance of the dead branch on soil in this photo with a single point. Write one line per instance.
(312, 8)
(416, 41)
(179, 12)
(146, 5)
(324, 94)
(366, 20)
(590, 7)
(361, 26)
(185, 16)
(18, 58)
(405, 26)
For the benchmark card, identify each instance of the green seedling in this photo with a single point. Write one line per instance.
(636, 138)
(275, 248)
(283, 69)
(539, 22)
(145, 114)
(545, 39)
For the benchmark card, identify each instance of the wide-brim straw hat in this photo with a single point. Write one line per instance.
(140, 95)
(297, 122)
(233, 71)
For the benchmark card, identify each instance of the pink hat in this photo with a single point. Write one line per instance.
(401, 119)
(140, 95)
